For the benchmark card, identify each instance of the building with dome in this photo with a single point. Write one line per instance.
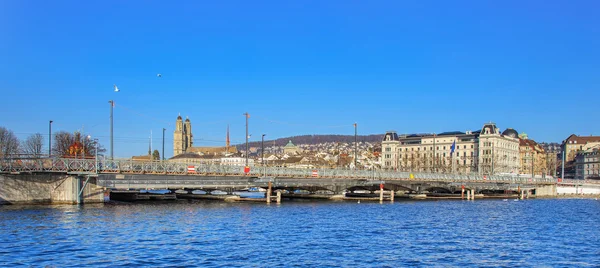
(291, 149)
(498, 152)
(485, 151)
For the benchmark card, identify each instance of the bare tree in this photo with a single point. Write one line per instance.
(9, 144)
(33, 145)
(74, 145)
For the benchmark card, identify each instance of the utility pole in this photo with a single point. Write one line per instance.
(262, 150)
(50, 139)
(163, 147)
(112, 104)
(562, 173)
(355, 144)
(247, 116)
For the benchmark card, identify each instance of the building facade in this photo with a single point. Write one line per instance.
(571, 147)
(446, 152)
(484, 151)
(533, 158)
(498, 152)
(587, 164)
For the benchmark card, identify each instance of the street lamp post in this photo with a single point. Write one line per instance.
(562, 173)
(355, 144)
(96, 149)
(163, 147)
(262, 150)
(112, 105)
(50, 139)
(247, 116)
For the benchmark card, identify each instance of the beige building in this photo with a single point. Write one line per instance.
(498, 152)
(571, 146)
(576, 143)
(485, 151)
(430, 152)
(533, 158)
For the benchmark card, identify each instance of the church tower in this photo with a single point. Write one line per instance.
(178, 137)
(188, 134)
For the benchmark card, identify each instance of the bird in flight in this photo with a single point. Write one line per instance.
(116, 88)
(159, 75)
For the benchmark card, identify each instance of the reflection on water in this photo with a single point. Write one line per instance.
(306, 234)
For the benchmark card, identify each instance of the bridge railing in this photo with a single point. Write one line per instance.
(69, 165)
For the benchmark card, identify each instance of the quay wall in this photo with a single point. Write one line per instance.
(46, 188)
(545, 191)
(585, 189)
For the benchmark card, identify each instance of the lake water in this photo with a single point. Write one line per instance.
(540, 233)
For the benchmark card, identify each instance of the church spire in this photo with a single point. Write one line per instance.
(227, 140)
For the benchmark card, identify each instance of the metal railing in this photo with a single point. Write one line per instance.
(92, 166)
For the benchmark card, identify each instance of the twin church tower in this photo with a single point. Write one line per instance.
(183, 140)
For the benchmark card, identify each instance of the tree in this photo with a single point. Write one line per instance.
(74, 145)
(9, 144)
(155, 155)
(33, 145)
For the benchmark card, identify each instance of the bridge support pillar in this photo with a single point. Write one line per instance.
(472, 194)
(392, 193)
(469, 195)
(380, 193)
(269, 193)
(521, 193)
(77, 189)
(462, 193)
(278, 197)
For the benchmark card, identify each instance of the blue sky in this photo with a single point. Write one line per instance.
(298, 67)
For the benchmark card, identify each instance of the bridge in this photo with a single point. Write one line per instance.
(136, 175)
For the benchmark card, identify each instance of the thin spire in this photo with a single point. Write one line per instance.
(227, 140)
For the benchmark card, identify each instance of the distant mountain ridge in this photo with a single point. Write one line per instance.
(316, 139)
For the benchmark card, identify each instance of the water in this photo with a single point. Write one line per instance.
(540, 233)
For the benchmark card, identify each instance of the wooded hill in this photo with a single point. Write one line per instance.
(316, 139)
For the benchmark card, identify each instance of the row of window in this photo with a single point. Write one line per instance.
(430, 148)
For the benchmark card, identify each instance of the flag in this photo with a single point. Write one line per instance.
(452, 147)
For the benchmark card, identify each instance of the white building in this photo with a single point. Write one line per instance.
(236, 161)
(485, 151)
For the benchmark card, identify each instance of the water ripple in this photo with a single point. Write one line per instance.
(484, 233)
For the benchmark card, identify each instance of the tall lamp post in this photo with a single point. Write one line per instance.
(247, 116)
(163, 148)
(355, 144)
(112, 105)
(50, 139)
(262, 150)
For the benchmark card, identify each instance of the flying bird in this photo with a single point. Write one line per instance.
(159, 75)
(116, 88)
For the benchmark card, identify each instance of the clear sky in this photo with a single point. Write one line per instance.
(298, 67)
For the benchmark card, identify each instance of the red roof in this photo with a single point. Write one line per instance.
(582, 139)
